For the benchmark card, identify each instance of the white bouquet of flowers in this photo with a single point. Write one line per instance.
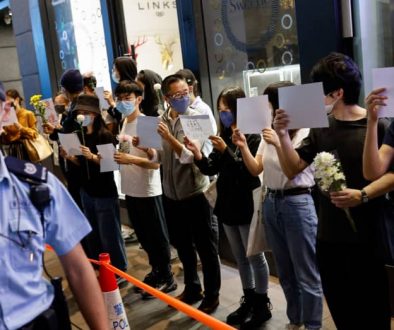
(330, 178)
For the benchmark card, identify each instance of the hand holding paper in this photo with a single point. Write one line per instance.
(383, 78)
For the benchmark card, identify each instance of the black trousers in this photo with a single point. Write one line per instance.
(147, 218)
(355, 285)
(191, 228)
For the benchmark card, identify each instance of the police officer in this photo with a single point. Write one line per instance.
(30, 216)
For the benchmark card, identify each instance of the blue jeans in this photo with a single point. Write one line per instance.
(253, 270)
(291, 227)
(106, 235)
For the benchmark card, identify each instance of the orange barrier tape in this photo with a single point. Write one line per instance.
(203, 318)
(209, 321)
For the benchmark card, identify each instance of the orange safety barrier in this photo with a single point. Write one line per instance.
(205, 319)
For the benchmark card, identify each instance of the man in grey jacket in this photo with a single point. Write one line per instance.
(188, 214)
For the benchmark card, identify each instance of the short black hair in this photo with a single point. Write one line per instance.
(168, 81)
(338, 71)
(127, 68)
(128, 87)
(190, 78)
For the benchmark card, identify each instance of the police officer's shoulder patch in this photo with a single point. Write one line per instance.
(26, 170)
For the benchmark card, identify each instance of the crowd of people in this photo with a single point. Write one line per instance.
(316, 251)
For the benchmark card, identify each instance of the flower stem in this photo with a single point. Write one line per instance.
(351, 221)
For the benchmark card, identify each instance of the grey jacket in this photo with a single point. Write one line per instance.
(180, 181)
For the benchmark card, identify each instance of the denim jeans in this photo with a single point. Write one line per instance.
(106, 235)
(291, 227)
(253, 270)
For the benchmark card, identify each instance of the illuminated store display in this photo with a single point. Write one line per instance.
(251, 39)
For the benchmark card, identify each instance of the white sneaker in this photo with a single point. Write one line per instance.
(290, 326)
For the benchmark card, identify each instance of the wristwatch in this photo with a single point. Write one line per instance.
(364, 196)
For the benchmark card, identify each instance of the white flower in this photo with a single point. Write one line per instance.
(80, 119)
(157, 87)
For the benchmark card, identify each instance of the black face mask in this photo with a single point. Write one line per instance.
(60, 108)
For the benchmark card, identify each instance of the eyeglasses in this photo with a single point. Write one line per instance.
(178, 95)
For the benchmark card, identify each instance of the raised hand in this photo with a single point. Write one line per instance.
(238, 139)
(163, 131)
(281, 122)
(270, 136)
(193, 147)
(108, 97)
(374, 101)
(218, 143)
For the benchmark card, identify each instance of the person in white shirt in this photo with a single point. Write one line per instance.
(140, 182)
(291, 222)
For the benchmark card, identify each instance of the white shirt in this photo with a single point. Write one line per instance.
(137, 181)
(273, 175)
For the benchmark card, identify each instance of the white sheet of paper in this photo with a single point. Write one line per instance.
(100, 94)
(107, 162)
(70, 143)
(384, 77)
(50, 113)
(197, 127)
(147, 132)
(253, 114)
(304, 104)
(7, 115)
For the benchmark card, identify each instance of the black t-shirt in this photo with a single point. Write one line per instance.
(344, 139)
(97, 184)
(389, 137)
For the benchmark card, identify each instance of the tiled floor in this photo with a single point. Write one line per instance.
(156, 315)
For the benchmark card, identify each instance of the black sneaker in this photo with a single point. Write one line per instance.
(165, 286)
(150, 279)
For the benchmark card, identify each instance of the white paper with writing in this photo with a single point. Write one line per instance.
(197, 127)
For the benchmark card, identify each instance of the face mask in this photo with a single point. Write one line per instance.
(125, 107)
(330, 107)
(180, 105)
(87, 120)
(115, 77)
(227, 118)
(60, 108)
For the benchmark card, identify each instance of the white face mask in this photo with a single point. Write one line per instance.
(330, 107)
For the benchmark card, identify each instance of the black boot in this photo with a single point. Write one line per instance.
(261, 312)
(239, 315)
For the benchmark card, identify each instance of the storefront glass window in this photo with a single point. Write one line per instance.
(80, 34)
(251, 43)
(374, 36)
(153, 35)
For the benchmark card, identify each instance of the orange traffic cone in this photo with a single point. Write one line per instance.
(115, 309)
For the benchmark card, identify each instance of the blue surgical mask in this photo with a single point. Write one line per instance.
(126, 108)
(227, 118)
(180, 105)
(115, 77)
(87, 120)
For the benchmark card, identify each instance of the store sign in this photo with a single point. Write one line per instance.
(253, 33)
(156, 6)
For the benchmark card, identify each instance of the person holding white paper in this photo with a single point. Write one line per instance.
(140, 182)
(290, 221)
(235, 207)
(98, 190)
(25, 128)
(188, 213)
(352, 272)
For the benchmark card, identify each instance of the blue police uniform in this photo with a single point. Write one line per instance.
(24, 293)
